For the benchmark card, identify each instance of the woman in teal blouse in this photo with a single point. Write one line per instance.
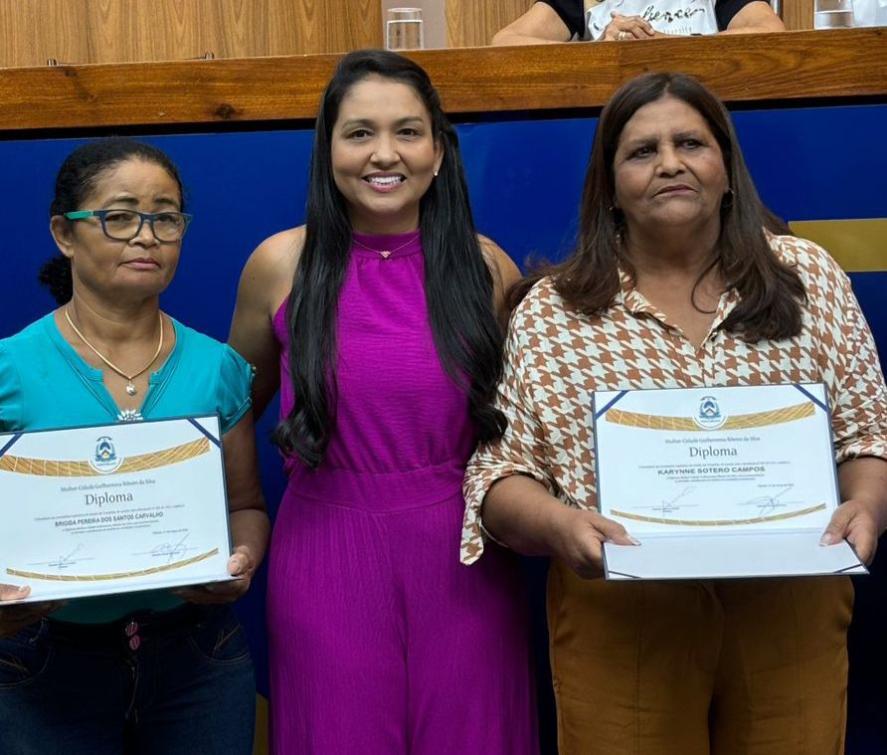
(150, 672)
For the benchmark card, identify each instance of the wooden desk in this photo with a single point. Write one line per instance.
(787, 66)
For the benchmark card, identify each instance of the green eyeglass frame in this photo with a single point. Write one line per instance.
(166, 226)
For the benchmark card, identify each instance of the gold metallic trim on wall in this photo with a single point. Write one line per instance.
(859, 246)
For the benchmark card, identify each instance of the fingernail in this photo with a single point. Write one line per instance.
(826, 539)
(23, 588)
(634, 540)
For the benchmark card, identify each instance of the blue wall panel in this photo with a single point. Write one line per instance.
(525, 178)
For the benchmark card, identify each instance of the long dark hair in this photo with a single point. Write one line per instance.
(770, 292)
(77, 178)
(458, 283)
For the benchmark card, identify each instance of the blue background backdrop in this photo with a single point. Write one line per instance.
(525, 175)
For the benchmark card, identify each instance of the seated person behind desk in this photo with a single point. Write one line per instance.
(562, 20)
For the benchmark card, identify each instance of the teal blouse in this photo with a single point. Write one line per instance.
(45, 384)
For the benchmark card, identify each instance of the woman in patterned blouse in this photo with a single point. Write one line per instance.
(681, 278)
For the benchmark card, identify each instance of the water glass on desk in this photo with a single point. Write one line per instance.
(403, 29)
(832, 14)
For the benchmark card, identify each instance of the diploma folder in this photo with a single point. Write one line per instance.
(719, 482)
(116, 508)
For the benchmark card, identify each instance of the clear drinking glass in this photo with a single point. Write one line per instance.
(403, 29)
(832, 14)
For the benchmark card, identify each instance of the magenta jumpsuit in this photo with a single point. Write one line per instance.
(380, 640)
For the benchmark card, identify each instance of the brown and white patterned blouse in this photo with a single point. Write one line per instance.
(555, 358)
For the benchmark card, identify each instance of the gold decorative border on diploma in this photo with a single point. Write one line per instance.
(688, 424)
(119, 575)
(140, 463)
(719, 522)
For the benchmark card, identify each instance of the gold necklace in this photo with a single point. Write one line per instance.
(386, 253)
(130, 386)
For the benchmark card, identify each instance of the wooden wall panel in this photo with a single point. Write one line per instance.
(120, 31)
(139, 30)
(338, 25)
(797, 14)
(41, 30)
(234, 26)
(472, 23)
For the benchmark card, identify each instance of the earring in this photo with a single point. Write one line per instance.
(618, 221)
(437, 170)
(727, 199)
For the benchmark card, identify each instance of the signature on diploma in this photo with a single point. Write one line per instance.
(767, 504)
(172, 550)
(65, 561)
(670, 505)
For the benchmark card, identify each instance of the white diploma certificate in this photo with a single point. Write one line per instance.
(719, 482)
(115, 508)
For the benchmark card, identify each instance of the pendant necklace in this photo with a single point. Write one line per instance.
(130, 386)
(386, 253)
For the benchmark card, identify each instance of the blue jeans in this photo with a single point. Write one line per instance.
(174, 683)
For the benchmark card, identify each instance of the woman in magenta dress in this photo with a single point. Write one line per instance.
(380, 641)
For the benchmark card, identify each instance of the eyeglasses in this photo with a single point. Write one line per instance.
(125, 225)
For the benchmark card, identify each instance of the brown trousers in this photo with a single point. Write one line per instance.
(729, 667)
